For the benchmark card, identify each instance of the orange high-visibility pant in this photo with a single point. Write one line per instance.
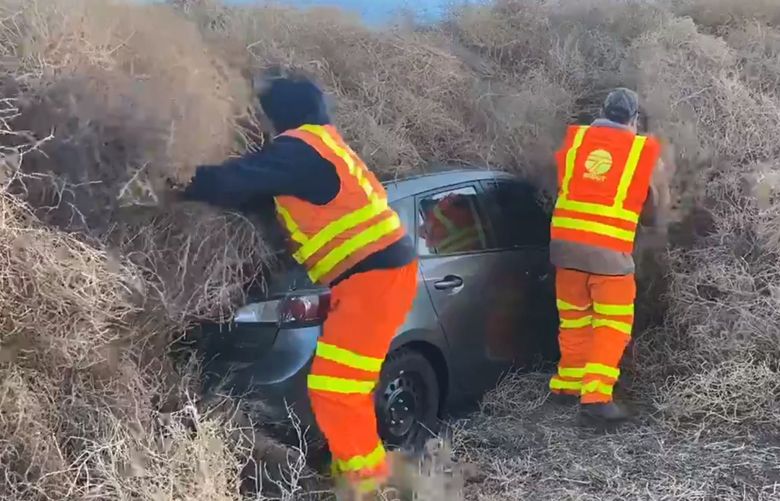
(366, 311)
(597, 316)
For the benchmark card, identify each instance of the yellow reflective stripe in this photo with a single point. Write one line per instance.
(593, 227)
(459, 240)
(597, 387)
(615, 310)
(357, 463)
(577, 323)
(558, 384)
(322, 133)
(340, 385)
(598, 210)
(453, 242)
(348, 358)
(623, 327)
(616, 210)
(444, 220)
(571, 157)
(602, 370)
(355, 170)
(357, 242)
(628, 173)
(564, 306)
(572, 372)
(295, 232)
(345, 223)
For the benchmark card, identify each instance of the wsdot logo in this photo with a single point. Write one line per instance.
(598, 163)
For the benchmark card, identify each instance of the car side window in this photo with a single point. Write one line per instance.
(517, 214)
(405, 210)
(449, 222)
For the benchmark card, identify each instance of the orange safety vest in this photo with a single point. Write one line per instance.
(330, 239)
(603, 177)
(453, 227)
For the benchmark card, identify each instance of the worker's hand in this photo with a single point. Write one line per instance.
(169, 193)
(654, 239)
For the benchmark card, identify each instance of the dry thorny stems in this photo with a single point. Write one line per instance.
(710, 369)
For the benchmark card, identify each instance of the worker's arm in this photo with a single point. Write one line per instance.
(287, 166)
(649, 213)
(654, 212)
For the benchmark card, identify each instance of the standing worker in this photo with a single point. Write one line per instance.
(343, 232)
(606, 186)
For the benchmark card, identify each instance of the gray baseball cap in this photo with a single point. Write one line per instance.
(621, 105)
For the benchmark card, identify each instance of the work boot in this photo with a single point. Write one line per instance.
(366, 489)
(604, 413)
(563, 399)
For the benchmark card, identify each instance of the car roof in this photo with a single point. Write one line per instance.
(409, 186)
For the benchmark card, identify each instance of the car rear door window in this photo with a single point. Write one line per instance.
(450, 222)
(405, 210)
(517, 214)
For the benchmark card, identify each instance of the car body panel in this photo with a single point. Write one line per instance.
(235, 342)
(486, 317)
(421, 324)
(462, 312)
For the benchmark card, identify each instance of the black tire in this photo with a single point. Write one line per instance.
(407, 400)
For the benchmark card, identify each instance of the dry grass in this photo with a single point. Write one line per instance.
(705, 376)
(531, 449)
(102, 102)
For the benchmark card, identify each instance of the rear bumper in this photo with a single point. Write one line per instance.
(274, 376)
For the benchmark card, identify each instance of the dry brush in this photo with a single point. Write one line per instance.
(103, 103)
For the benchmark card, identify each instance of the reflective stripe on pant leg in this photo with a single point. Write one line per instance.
(568, 380)
(357, 463)
(598, 382)
(366, 311)
(613, 308)
(343, 371)
(574, 310)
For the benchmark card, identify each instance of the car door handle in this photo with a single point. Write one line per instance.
(448, 282)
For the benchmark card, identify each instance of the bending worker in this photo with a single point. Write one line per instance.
(343, 232)
(606, 185)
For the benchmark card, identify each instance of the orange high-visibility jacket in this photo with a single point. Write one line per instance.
(603, 177)
(330, 239)
(451, 226)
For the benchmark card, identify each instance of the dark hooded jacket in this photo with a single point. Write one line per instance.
(286, 166)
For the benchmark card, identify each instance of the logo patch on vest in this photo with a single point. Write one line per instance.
(598, 163)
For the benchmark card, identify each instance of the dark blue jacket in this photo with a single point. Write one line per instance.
(286, 166)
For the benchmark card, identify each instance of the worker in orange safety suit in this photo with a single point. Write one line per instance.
(344, 233)
(607, 175)
(450, 226)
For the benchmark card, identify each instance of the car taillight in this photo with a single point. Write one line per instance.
(294, 309)
(304, 309)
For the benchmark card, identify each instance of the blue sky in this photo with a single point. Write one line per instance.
(377, 11)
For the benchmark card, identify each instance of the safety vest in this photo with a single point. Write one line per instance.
(603, 177)
(330, 239)
(453, 228)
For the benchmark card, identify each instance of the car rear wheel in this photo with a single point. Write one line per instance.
(407, 399)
